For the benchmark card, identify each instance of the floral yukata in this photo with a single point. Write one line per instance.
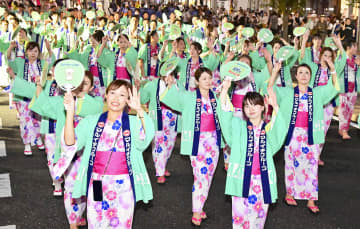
(348, 99)
(251, 212)
(164, 140)
(204, 164)
(99, 87)
(29, 120)
(301, 159)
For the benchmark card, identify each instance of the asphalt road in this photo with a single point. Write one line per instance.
(33, 206)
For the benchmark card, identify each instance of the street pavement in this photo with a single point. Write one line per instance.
(33, 206)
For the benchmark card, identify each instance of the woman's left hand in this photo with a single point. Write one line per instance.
(271, 99)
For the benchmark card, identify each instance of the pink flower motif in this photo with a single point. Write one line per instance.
(291, 177)
(310, 155)
(299, 138)
(208, 148)
(213, 153)
(111, 195)
(238, 219)
(128, 223)
(161, 140)
(211, 167)
(99, 216)
(257, 189)
(61, 162)
(200, 185)
(110, 213)
(193, 163)
(200, 157)
(202, 199)
(297, 153)
(72, 216)
(105, 188)
(302, 194)
(289, 191)
(258, 206)
(246, 225)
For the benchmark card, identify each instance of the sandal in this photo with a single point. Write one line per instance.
(290, 202)
(167, 173)
(314, 209)
(161, 180)
(196, 221)
(203, 215)
(82, 222)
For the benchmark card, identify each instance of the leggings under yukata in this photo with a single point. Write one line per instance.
(250, 212)
(164, 141)
(204, 165)
(29, 123)
(346, 108)
(301, 166)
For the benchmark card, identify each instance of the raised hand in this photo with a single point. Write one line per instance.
(134, 100)
(277, 67)
(12, 44)
(10, 72)
(69, 103)
(271, 99)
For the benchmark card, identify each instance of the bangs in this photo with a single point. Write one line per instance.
(116, 84)
(253, 98)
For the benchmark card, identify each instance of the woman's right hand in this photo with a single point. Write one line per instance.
(12, 44)
(69, 103)
(277, 68)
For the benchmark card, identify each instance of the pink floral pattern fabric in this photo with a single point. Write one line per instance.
(250, 212)
(117, 208)
(74, 208)
(301, 162)
(328, 114)
(204, 164)
(29, 123)
(346, 109)
(164, 141)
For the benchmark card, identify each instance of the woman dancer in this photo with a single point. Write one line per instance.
(200, 134)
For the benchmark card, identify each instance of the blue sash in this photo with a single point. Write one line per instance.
(346, 77)
(188, 68)
(115, 73)
(52, 123)
(149, 59)
(294, 116)
(98, 67)
(262, 160)
(312, 54)
(158, 108)
(282, 76)
(195, 147)
(127, 144)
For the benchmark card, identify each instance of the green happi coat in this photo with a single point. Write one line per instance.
(52, 107)
(234, 131)
(143, 55)
(84, 133)
(321, 96)
(183, 102)
(148, 94)
(107, 59)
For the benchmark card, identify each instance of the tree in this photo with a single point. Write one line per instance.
(285, 7)
(356, 4)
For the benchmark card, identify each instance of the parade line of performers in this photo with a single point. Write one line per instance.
(98, 155)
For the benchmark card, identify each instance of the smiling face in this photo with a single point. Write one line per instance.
(116, 99)
(303, 75)
(93, 42)
(122, 42)
(253, 111)
(205, 81)
(180, 46)
(193, 51)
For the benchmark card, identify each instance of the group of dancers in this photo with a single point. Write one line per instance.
(98, 155)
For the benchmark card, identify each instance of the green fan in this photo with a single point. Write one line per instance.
(35, 16)
(248, 32)
(285, 53)
(169, 66)
(69, 74)
(265, 35)
(299, 31)
(235, 70)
